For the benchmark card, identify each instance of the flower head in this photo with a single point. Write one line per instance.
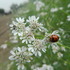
(18, 27)
(37, 47)
(28, 36)
(33, 19)
(20, 56)
(34, 25)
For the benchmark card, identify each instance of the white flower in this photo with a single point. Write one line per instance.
(33, 19)
(18, 27)
(34, 25)
(28, 36)
(55, 63)
(55, 48)
(20, 67)
(43, 13)
(68, 18)
(56, 32)
(49, 67)
(15, 33)
(54, 10)
(63, 49)
(13, 25)
(60, 8)
(37, 47)
(39, 5)
(20, 20)
(4, 46)
(44, 67)
(59, 54)
(61, 22)
(20, 56)
(68, 5)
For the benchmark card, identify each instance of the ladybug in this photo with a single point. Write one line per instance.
(54, 38)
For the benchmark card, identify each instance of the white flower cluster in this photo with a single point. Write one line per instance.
(29, 33)
(18, 27)
(36, 47)
(20, 56)
(56, 9)
(44, 67)
(56, 49)
(39, 5)
(68, 18)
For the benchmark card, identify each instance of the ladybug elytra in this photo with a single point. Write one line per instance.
(54, 38)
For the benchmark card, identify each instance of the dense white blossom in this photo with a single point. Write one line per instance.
(20, 20)
(37, 47)
(20, 56)
(32, 19)
(34, 25)
(28, 36)
(18, 26)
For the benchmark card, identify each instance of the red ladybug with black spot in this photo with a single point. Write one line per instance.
(54, 38)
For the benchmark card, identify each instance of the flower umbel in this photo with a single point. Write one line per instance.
(20, 56)
(34, 40)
